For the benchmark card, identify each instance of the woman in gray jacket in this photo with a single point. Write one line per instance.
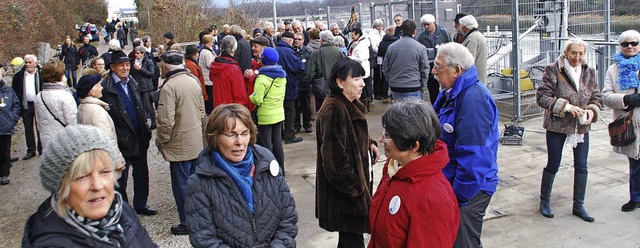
(238, 196)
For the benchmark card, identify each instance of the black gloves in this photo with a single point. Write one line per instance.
(632, 100)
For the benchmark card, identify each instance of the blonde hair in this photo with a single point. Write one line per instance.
(81, 165)
(574, 42)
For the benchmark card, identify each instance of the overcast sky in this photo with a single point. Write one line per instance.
(121, 4)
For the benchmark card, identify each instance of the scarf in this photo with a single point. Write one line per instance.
(627, 77)
(107, 229)
(240, 173)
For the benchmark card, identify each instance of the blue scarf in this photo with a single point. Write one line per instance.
(627, 77)
(240, 173)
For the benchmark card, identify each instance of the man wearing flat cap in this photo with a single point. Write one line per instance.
(179, 135)
(132, 131)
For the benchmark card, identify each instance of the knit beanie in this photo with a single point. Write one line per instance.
(269, 56)
(168, 35)
(65, 146)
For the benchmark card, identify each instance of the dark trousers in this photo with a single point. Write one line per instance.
(350, 240)
(5, 155)
(555, 144)
(208, 104)
(367, 92)
(289, 119)
(303, 107)
(140, 180)
(28, 119)
(270, 138)
(71, 77)
(384, 86)
(471, 216)
(147, 106)
(180, 172)
(377, 82)
(634, 180)
(434, 88)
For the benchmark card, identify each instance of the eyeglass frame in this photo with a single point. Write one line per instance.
(243, 135)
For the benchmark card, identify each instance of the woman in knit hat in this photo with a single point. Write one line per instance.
(84, 210)
(268, 96)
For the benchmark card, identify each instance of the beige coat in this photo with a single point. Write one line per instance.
(92, 111)
(180, 113)
(612, 97)
(477, 45)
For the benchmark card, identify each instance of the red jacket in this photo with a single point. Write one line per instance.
(228, 82)
(426, 214)
(197, 72)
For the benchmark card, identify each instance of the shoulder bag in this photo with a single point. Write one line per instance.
(621, 130)
(254, 112)
(54, 116)
(319, 85)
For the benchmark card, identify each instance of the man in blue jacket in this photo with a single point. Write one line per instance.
(294, 67)
(469, 120)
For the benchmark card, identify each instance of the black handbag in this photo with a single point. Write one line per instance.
(622, 131)
(254, 112)
(319, 85)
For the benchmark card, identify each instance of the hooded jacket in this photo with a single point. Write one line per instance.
(270, 104)
(469, 119)
(9, 109)
(228, 82)
(46, 229)
(218, 216)
(416, 207)
(293, 66)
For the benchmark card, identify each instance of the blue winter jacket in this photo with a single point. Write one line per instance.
(9, 109)
(293, 66)
(469, 120)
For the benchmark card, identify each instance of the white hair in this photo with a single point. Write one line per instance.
(31, 56)
(114, 45)
(427, 18)
(378, 23)
(469, 22)
(629, 35)
(456, 54)
(228, 45)
(326, 36)
(574, 42)
(338, 41)
(334, 25)
(268, 25)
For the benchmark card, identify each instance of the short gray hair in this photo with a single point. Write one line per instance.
(235, 30)
(268, 25)
(141, 49)
(31, 56)
(146, 38)
(338, 41)
(469, 22)
(427, 18)
(334, 25)
(281, 25)
(629, 34)
(412, 120)
(456, 54)
(326, 36)
(228, 45)
(378, 23)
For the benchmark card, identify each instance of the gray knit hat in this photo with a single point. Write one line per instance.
(65, 146)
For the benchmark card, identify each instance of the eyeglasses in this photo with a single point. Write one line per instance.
(438, 67)
(627, 43)
(386, 138)
(297, 39)
(242, 135)
(397, 20)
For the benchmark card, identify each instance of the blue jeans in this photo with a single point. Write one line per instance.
(397, 96)
(634, 179)
(180, 172)
(555, 144)
(71, 77)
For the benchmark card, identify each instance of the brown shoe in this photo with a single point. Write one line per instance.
(386, 100)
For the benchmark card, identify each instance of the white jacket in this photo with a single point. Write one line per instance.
(204, 61)
(360, 52)
(61, 103)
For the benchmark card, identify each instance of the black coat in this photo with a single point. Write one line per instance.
(70, 56)
(87, 52)
(144, 76)
(243, 53)
(217, 214)
(46, 229)
(387, 40)
(18, 84)
(131, 142)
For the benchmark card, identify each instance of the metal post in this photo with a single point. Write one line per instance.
(328, 16)
(436, 13)
(275, 16)
(515, 52)
(607, 33)
(411, 9)
(390, 13)
(372, 12)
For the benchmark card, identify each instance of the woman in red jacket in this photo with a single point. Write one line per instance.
(228, 81)
(414, 205)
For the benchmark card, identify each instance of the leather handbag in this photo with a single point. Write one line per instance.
(622, 131)
(319, 85)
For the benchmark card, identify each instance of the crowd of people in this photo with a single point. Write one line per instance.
(222, 110)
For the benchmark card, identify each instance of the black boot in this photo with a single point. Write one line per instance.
(545, 194)
(579, 190)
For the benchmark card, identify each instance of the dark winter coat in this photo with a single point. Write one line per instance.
(441, 37)
(293, 66)
(558, 89)
(9, 109)
(70, 57)
(46, 229)
(318, 66)
(131, 141)
(144, 76)
(18, 85)
(384, 44)
(218, 216)
(87, 51)
(343, 176)
(243, 53)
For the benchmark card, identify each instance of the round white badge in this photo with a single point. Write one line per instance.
(447, 128)
(2, 105)
(394, 205)
(274, 168)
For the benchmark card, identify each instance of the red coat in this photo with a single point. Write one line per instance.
(228, 82)
(197, 71)
(426, 214)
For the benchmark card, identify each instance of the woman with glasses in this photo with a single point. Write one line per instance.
(621, 94)
(414, 205)
(346, 154)
(571, 98)
(238, 196)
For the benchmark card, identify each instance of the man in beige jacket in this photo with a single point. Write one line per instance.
(179, 134)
